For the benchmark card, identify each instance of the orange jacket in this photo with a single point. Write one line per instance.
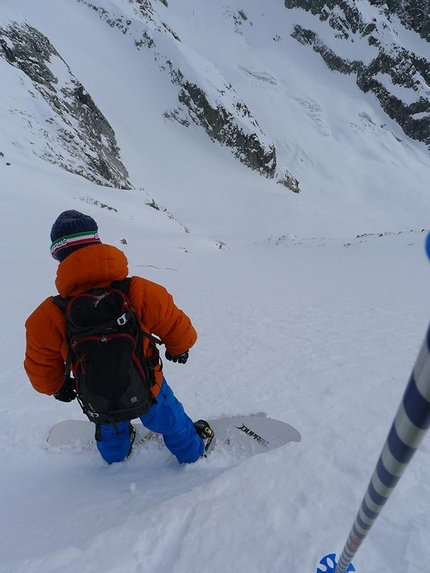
(92, 267)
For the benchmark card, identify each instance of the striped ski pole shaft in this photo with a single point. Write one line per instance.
(410, 425)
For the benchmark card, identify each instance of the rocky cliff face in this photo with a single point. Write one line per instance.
(399, 77)
(77, 136)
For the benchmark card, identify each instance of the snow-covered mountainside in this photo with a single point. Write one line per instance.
(384, 53)
(268, 163)
(366, 40)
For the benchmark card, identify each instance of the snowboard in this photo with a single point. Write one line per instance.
(245, 435)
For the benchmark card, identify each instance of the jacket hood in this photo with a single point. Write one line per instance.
(91, 267)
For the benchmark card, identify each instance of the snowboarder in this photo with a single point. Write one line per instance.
(86, 263)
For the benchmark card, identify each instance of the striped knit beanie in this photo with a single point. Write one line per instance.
(71, 231)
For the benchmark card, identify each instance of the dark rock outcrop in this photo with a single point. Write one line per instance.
(77, 135)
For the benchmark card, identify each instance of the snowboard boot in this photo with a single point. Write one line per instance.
(206, 434)
(132, 431)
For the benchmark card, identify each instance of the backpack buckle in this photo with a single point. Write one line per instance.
(122, 320)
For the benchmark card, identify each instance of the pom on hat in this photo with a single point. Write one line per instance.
(71, 231)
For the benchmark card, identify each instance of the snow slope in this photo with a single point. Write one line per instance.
(297, 316)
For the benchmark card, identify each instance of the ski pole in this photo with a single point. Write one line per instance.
(409, 427)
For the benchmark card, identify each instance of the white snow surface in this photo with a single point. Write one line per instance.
(297, 316)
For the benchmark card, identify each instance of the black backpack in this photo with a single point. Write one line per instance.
(111, 374)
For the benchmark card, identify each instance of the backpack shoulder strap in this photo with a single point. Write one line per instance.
(123, 286)
(61, 302)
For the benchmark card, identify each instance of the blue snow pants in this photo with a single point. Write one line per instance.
(166, 417)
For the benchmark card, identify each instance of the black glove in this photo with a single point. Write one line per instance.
(181, 358)
(67, 392)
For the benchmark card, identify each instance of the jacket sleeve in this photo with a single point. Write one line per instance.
(160, 315)
(44, 357)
